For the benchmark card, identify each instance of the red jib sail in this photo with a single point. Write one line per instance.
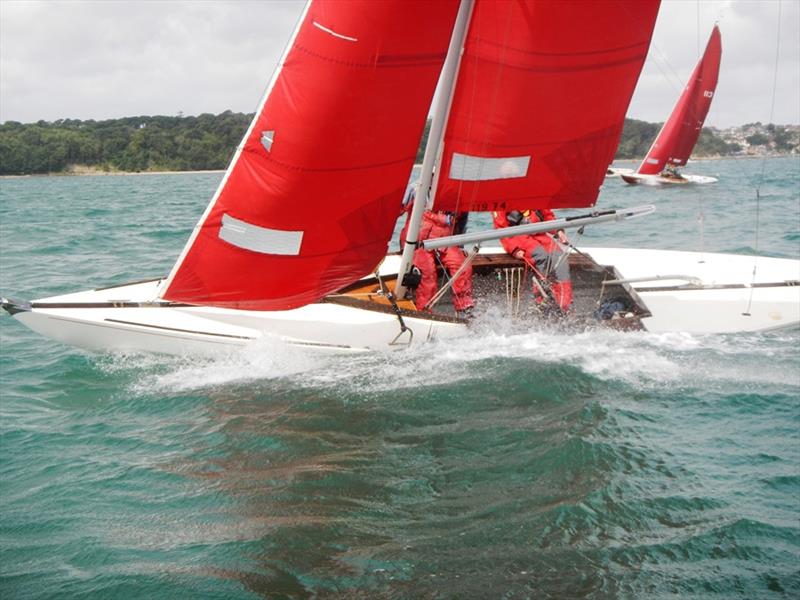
(310, 200)
(676, 140)
(540, 101)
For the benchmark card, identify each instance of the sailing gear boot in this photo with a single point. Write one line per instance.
(562, 291)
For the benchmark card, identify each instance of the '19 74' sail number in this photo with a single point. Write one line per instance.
(487, 206)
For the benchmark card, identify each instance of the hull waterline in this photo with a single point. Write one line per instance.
(639, 178)
(682, 291)
(128, 319)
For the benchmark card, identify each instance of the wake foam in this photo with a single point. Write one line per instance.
(638, 359)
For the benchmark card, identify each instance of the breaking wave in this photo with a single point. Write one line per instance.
(641, 360)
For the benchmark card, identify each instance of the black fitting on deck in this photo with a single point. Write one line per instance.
(13, 307)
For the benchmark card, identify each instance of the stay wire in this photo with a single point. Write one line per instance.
(697, 28)
(764, 158)
(701, 216)
(492, 105)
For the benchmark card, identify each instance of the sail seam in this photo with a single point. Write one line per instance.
(335, 169)
(565, 68)
(593, 137)
(410, 60)
(478, 40)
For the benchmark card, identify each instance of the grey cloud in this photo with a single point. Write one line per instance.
(749, 33)
(113, 59)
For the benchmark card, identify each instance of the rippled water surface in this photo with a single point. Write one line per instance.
(514, 463)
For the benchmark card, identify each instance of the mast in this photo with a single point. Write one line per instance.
(438, 122)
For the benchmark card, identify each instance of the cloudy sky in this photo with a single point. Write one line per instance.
(100, 60)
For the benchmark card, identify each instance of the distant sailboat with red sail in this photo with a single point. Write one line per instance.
(293, 245)
(675, 142)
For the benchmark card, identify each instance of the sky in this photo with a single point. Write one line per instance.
(102, 60)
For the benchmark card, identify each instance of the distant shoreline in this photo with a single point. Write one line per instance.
(90, 172)
(100, 173)
(712, 158)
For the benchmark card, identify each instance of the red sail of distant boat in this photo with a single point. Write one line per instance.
(678, 136)
(540, 101)
(310, 200)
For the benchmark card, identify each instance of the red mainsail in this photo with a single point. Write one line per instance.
(678, 136)
(310, 200)
(540, 101)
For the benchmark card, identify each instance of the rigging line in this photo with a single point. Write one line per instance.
(513, 280)
(450, 281)
(764, 158)
(471, 110)
(701, 219)
(494, 99)
(498, 77)
(672, 78)
(542, 283)
(471, 103)
(517, 291)
(774, 87)
(697, 27)
(395, 308)
(178, 265)
(508, 289)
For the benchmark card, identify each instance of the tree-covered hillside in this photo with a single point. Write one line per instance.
(207, 142)
(637, 136)
(129, 144)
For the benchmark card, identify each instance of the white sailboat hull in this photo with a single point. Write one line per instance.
(709, 292)
(640, 178)
(129, 319)
(618, 172)
(684, 291)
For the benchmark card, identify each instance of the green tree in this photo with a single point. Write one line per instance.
(757, 139)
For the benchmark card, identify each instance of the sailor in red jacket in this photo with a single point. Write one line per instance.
(541, 249)
(435, 225)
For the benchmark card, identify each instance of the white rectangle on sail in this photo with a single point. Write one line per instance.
(477, 168)
(260, 239)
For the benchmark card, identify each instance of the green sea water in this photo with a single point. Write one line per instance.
(511, 464)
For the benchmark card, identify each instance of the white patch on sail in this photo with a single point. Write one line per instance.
(266, 139)
(260, 239)
(652, 161)
(333, 33)
(477, 168)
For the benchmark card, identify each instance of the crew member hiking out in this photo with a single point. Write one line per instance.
(435, 225)
(540, 251)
